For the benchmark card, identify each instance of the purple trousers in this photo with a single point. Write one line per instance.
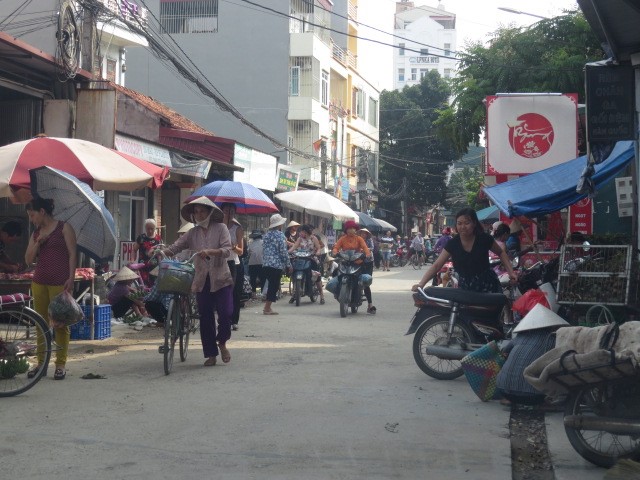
(209, 302)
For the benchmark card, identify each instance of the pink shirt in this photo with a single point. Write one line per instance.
(216, 235)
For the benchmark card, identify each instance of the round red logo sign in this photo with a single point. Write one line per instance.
(531, 136)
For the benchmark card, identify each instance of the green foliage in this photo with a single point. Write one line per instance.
(463, 188)
(410, 146)
(546, 57)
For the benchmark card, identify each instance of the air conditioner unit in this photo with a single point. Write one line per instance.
(624, 195)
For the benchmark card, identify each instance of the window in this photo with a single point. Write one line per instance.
(414, 74)
(189, 16)
(359, 97)
(294, 81)
(324, 94)
(401, 49)
(423, 73)
(373, 112)
(401, 74)
(424, 52)
(447, 73)
(447, 49)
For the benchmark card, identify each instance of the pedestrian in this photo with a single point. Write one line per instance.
(324, 248)
(386, 249)
(275, 259)
(9, 233)
(236, 267)
(212, 282)
(291, 233)
(144, 245)
(53, 245)
(254, 250)
(376, 251)
(469, 251)
(308, 242)
(367, 268)
(443, 240)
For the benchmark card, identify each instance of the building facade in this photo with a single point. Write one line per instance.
(425, 40)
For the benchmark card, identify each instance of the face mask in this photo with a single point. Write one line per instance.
(204, 223)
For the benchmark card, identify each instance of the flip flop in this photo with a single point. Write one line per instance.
(224, 354)
(270, 312)
(371, 310)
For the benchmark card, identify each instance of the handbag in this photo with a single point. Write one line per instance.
(481, 368)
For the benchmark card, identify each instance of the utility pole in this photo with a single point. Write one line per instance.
(405, 207)
(323, 165)
(89, 38)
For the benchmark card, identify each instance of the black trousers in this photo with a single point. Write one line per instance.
(273, 275)
(255, 274)
(237, 273)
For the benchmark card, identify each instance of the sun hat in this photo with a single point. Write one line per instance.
(515, 226)
(540, 317)
(350, 224)
(186, 227)
(293, 223)
(155, 271)
(125, 273)
(365, 231)
(256, 233)
(495, 225)
(187, 211)
(276, 220)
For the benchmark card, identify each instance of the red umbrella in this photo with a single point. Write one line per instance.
(100, 167)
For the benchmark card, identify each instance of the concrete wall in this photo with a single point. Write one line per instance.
(247, 60)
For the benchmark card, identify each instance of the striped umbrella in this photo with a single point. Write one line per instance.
(247, 198)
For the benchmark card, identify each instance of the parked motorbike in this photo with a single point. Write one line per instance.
(401, 257)
(350, 286)
(303, 277)
(450, 323)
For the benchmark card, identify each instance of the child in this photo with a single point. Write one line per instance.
(120, 296)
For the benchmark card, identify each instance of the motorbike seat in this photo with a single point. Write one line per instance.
(466, 297)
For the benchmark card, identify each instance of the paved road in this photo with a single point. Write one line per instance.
(307, 395)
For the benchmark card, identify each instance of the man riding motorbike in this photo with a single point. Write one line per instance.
(309, 242)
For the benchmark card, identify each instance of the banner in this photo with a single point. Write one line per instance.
(287, 180)
(127, 254)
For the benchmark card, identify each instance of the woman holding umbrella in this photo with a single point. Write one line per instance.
(212, 284)
(53, 244)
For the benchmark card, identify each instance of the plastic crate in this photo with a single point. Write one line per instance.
(102, 320)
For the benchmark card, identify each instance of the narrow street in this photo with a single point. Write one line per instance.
(307, 395)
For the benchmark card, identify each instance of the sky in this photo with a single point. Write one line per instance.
(475, 20)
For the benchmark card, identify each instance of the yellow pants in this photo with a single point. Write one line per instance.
(42, 295)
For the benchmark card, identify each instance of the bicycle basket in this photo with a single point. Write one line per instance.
(175, 277)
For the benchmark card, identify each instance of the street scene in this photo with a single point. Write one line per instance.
(320, 239)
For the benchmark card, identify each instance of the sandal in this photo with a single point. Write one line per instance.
(371, 310)
(34, 372)
(224, 354)
(59, 374)
(210, 362)
(321, 300)
(269, 312)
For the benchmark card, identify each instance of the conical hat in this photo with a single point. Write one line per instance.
(186, 227)
(125, 273)
(155, 271)
(540, 317)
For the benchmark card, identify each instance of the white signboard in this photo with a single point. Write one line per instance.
(127, 254)
(528, 133)
(143, 150)
(259, 168)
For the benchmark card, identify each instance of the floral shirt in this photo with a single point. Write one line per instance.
(274, 250)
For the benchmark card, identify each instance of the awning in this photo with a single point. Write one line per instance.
(554, 188)
(489, 215)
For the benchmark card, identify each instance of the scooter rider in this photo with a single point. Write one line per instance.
(307, 241)
(469, 252)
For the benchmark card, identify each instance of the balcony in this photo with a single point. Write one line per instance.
(128, 11)
(352, 11)
(345, 57)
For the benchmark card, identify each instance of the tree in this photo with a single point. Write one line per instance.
(411, 151)
(546, 57)
(463, 189)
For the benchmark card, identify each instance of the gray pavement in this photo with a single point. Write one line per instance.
(307, 395)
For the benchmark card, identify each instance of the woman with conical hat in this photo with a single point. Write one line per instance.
(212, 283)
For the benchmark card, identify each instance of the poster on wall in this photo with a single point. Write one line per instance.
(530, 132)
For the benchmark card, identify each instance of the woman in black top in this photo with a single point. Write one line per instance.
(469, 251)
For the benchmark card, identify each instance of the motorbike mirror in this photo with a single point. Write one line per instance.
(586, 246)
(515, 261)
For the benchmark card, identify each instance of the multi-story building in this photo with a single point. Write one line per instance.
(425, 40)
(284, 71)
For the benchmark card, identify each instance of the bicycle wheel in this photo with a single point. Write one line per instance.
(186, 324)
(415, 261)
(171, 325)
(25, 342)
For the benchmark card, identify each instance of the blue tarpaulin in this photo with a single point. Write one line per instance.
(489, 214)
(554, 188)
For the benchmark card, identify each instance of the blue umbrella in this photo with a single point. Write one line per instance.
(369, 223)
(247, 198)
(79, 206)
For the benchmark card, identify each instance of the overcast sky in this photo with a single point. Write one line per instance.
(475, 20)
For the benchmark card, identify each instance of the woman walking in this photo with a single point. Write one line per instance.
(386, 249)
(53, 244)
(275, 259)
(212, 283)
(236, 267)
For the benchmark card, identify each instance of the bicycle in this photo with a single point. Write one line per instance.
(175, 279)
(416, 260)
(24, 336)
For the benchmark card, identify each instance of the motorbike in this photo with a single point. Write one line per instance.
(350, 287)
(303, 277)
(450, 323)
(401, 257)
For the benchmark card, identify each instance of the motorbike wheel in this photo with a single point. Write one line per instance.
(404, 261)
(394, 260)
(313, 295)
(434, 332)
(598, 446)
(345, 295)
(297, 291)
